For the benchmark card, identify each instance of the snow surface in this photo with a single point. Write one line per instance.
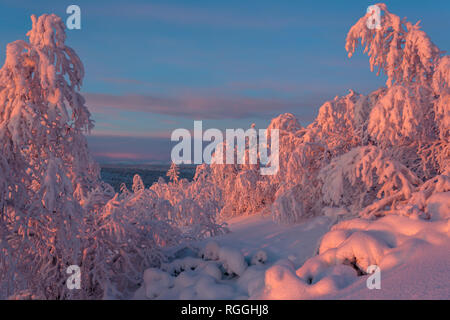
(425, 275)
(260, 259)
(233, 265)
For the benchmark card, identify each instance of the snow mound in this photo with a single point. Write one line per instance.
(347, 251)
(194, 278)
(233, 261)
(339, 266)
(438, 206)
(211, 251)
(259, 257)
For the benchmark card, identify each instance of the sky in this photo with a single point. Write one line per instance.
(154, 66)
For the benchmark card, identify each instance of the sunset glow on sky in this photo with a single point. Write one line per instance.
(152, 67)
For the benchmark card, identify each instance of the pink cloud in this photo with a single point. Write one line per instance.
(118, 155)
(106, 148)
(199, 106)
(100, 132)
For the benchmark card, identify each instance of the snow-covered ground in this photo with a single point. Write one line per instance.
(258, 232)
(260, 259)
(251, 237)
(426, 275)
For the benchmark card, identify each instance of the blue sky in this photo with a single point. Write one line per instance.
(153, 66)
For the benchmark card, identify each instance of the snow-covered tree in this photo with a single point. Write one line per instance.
(365, 178)
(412, 113)
(138, 184)
(403, 51)
(173, 173)
(130, 233)
(45, 160)
(55, 211)
(341, 123)
(441, 87)
(380, 146)
(403, 115)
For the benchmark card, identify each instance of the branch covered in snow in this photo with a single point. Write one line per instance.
(403, 51)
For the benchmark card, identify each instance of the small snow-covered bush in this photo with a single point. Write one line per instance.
(298, 187)
(288, 207)
(365, 178)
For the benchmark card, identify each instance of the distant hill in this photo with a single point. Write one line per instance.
(116, 174)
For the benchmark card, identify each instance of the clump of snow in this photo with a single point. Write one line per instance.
(212, 270)
(438, 206)
(335, 213)
(211, 251)
(194, 278)
(232, 260)
(156, 281)
(259, 257)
